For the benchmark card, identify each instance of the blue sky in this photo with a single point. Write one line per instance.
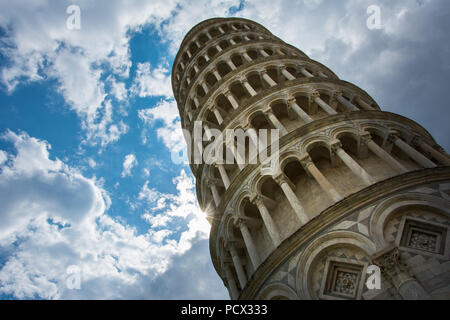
(88, 123)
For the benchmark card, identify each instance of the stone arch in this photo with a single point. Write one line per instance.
(383, 211)
(349, 138)
(314, 142)
(319, 245)
(277, 291)
(255, 80)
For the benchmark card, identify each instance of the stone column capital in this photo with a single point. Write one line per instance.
(416, 141)
(210, 183)
(268, 111)
(291, 101)
(261, 71)
(256, 199)
(390, 263)
(280, 179)
(242, 79)
(230, 244)
(239, 222)
(335, 145)
(305, 160)
(227, 93)
(315, 94)
(337, 94)
(392, 137)
(365, 137)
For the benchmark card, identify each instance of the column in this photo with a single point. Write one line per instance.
(207, 58)
(232, 42)
(195, 68)
(218, 115)
(395, 271)
(443, 159)
(253, 136)
(292, 103)
(363, 104)
(246, 38)
(234, 150)
(208, 35)
(323, 75)
(287, 74)
(326, 186)
(249, 244)
(238, 265)
(248, 87)
(197, 43)
(281, 180)
(336, 147)
(204, 86)
(278, 50)
(231, 283)
(207, 132)
(231, 64)
(412, 153)
(350, 106)
(215, 193)
(382, 154)
(196, 102)
(220, 30)
(219, 48)
(231, 99)
(306, 73)
(216, 74)
(224, 175)
(323, 104)
(267, 219)
(267, 78)
(275, 122)
(189, 53)
(263, 53)
(247, 57)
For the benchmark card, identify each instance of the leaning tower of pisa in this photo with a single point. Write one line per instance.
(353, 194)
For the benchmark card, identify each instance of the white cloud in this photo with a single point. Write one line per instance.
(91, 162)
(40, 46)
(150, 83)
(128, 164)
(170, 132)
(3, 157)
(55, 217)
(146, 172)
(118, 89)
